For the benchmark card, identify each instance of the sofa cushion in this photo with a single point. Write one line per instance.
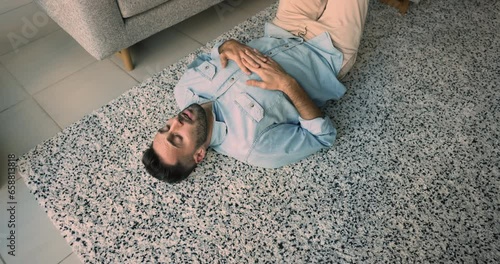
(131, 8)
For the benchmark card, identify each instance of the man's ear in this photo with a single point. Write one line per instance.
(199, 155)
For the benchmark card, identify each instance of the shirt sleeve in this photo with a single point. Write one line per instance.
(283, 144)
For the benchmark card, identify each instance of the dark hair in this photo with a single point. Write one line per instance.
(164, 172)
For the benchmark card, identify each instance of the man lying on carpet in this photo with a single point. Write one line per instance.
(263, 107)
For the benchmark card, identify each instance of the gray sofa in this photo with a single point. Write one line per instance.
(104, 27)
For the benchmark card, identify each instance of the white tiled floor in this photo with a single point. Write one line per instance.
(52, 82)
(46, 61)
(22, 25)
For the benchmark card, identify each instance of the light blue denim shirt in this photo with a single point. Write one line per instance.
(258, 126)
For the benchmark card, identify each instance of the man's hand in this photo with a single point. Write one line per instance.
(233, 50)
(275, 78)
(272, 75)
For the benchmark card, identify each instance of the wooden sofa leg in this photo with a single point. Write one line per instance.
(124, 54)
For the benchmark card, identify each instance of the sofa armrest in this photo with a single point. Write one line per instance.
(96, 24)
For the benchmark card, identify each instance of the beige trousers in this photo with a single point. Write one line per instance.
(343, 19)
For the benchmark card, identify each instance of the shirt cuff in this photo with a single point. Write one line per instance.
(318, 126)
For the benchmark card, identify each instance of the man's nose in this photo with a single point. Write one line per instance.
(176, 124)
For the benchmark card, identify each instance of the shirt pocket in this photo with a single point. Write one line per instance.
(196, 81)
(250, 106)
(206, 69)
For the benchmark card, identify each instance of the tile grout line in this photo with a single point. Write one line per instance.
(22, 46)
(190, 37)
(60, 129)
(126, 72)
(3, 54)
(45, 111)
(85, 67)
(19, 83)
(1, 259)
(66, 256)
(15, 8)
(14, 77)
(65, 77)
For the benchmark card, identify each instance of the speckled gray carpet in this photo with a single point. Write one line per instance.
(412, 178)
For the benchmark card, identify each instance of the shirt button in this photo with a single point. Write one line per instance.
(251, 105)
(270, 53)
(232, 79)
(286, 46)
(206, 67)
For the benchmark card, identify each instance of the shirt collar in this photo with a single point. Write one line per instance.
(219, 131)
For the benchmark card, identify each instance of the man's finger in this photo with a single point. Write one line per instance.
(256, 84)
(243, 66)
(250, 66)
(261, 56)
(223, 61)
(256, 56)
(250, 58)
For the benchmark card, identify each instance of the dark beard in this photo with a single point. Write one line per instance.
(201, 123)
